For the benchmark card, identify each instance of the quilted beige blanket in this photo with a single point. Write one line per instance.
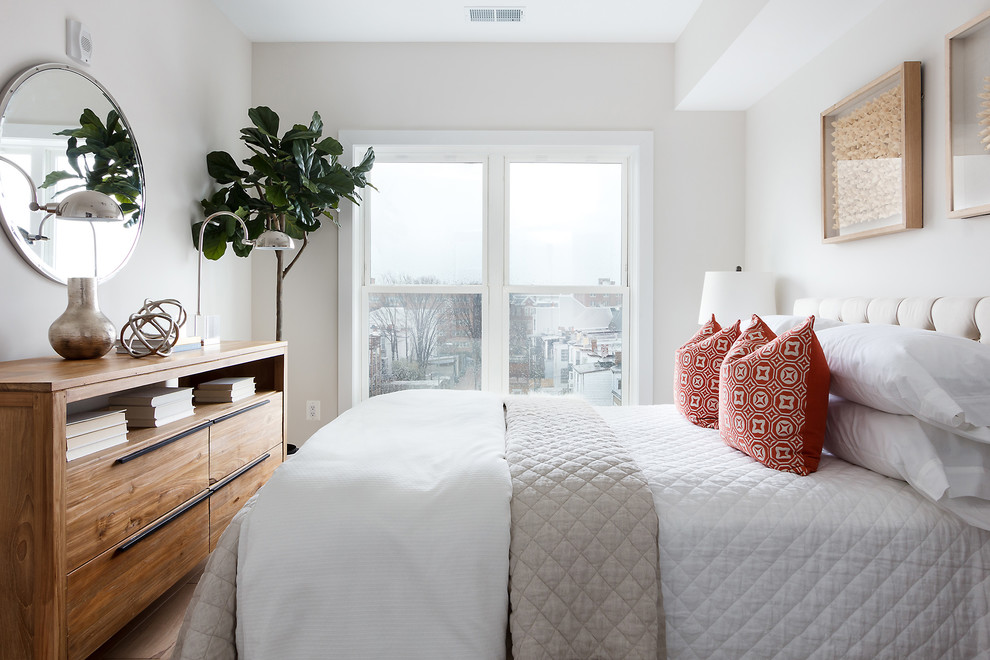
(583, 576)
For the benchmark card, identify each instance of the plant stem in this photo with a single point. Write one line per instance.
(296, 258)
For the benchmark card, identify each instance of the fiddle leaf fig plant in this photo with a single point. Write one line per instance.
(288, 184)
(102, 155)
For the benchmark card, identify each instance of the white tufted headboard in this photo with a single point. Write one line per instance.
(965, 317)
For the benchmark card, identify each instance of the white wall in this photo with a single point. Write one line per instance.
(182, 74)
(698, 188)
(783, 197)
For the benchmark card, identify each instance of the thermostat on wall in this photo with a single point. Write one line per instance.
(78, 42)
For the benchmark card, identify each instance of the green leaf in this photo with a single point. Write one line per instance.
(329, 146)
(257, 138)
(222, 167)
(261, 164)
(293, 229)
(299, 132)
(55, 177)
(316, 124)
(302, 155)
(359, 172)
(305, 219)
(214, 245)
(276, 196)
(338, 180)
(88, 117)
(264, 118)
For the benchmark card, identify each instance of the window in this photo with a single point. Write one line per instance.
(497, 267)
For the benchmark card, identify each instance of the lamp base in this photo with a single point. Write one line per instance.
(207, 328)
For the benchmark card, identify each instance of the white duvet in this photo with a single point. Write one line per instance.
(843, 563)
(408, 546)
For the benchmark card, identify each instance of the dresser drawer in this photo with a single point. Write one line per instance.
(238, 438)
(230, 495)
(111, 495)
(105, 593)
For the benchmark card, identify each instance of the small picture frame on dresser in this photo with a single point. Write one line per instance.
(871, 159)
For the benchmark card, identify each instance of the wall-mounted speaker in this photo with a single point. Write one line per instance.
(78, 42)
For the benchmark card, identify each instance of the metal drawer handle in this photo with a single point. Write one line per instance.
(162, 443)
(240, 473)
(241, 411)
(151, 529)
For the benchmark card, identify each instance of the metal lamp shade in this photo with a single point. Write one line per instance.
(273, 240)
(89, 205)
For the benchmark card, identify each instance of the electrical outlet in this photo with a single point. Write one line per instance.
(313, 411)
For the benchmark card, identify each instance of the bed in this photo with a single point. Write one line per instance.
(467, 525)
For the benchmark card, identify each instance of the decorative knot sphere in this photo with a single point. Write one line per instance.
(152, 330)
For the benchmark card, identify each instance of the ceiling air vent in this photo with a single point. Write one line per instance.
(494, 14)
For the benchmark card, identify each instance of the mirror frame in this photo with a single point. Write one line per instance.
(9, 90)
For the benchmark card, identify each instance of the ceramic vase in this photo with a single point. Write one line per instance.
(82, 331)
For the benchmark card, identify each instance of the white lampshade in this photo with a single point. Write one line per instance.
(736, 295)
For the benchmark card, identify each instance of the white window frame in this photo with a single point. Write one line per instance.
(634, 147)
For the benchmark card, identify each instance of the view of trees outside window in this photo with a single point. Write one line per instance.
(557, 314)
(424, 341)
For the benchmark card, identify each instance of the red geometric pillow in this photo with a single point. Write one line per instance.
(773, 397)
(696, 369)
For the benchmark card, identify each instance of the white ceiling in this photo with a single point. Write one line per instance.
(614, 21)
(733, 53)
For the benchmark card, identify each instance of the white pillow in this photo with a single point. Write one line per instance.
(781, 323)
(939, 378)
(951, 470)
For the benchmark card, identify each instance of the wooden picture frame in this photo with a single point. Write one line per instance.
(967, 118)
(871, 159)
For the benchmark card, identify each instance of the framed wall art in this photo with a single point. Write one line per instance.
(871, 159)
(967, 115)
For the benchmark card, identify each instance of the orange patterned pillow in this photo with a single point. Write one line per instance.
(696, 369)
(773, 397)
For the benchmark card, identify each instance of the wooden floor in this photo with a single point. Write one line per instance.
(151, 635)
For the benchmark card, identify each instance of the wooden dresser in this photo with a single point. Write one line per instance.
(86, 545)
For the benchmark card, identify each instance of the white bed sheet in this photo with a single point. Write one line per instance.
(407, 553)
(756, 563)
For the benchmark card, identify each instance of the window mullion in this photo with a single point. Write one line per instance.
(495, 330)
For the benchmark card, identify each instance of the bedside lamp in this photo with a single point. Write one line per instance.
(732, 295)
(207, 328)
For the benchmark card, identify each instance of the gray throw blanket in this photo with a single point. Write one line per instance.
(583, 558)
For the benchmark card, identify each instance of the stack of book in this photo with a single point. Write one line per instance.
(154, 406)
(89, 432)
(224, 390)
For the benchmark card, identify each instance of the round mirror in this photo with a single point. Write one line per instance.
(61, 132)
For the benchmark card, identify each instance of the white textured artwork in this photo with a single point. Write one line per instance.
(867, 151)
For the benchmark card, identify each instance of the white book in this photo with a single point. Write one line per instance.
(227, 383)
(93, 447)
(151, 396)
(98, 435)
(84, 422)
(155, 423)
(222, 397)
(156, 412)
